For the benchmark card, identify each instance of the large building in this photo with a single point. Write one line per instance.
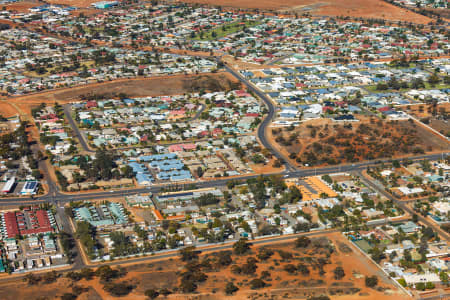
(105, 4)
(187, 195)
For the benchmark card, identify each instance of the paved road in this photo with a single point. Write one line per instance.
(78, 134)
(262, 129)
(174, 253)
(65, 198)
(405, 207)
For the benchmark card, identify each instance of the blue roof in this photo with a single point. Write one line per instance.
(143, 178)
(30, 185)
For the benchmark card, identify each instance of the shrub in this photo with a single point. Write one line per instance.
(118, 289)
(230, 288)
(257, 283)
(371, 281)
(151, 293)
(302, 242)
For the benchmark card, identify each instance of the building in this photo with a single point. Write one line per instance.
(187, 195)
(138, 200)
(421, 278)
(30, 188)
(9, 185)
(105, 4)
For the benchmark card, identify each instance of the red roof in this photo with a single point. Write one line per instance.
(11, 224)
(383, 109)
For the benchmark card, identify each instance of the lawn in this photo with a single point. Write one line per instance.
(219, 32)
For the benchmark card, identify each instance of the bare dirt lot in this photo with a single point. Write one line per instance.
(76, 3)
(287, 271)
(22, 6)
(436, 116)
(156, 86)
(352, 8)
(322, 142)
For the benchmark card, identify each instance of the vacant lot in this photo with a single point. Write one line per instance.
(140, 87)
(76, 3)
(436, 116)
(313, 274)
(322, 142)
(353, 8)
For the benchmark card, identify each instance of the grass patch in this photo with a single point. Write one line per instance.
(223, 30)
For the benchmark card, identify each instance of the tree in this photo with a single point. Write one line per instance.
(188, 253)
(151, 293)
(371, 281)
(106, 273)
(257, 283)
(241, 246)
(420, 286)
(264, 253)
(118, 289)
(434, 79)
(444, 277)
(322, 297)
(339, 273)
(303, 269)
(230, 288)
(224, 258)
(188, 286)
(327, 179)
(31, 279)
(290, 268)
(302, 242)
(68, 296)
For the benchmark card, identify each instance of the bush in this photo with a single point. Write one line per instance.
(303, 269)
(264, 254)
(290, 268)
(371, 281)
(151, 293)
(68, 296)
(257, 284)
(338, 273)
(106, 273)
(230, 288)
(188, 253)
(188, 286)
(323, 297)
(118, 289)
(224, 258)
(302, 242)
(241, 246)
(402, 282)
(165, 292)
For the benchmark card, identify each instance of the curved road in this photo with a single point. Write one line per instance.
(262, 129)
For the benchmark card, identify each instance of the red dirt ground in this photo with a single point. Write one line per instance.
(154, 86)
(164, 274)
(352, 8)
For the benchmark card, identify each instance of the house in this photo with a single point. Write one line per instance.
(409, 227)
(414, 279)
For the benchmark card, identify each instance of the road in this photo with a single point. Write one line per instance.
(404, 206)
(75, 129)
(262, 129)
(62, 198)
(174, 253)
